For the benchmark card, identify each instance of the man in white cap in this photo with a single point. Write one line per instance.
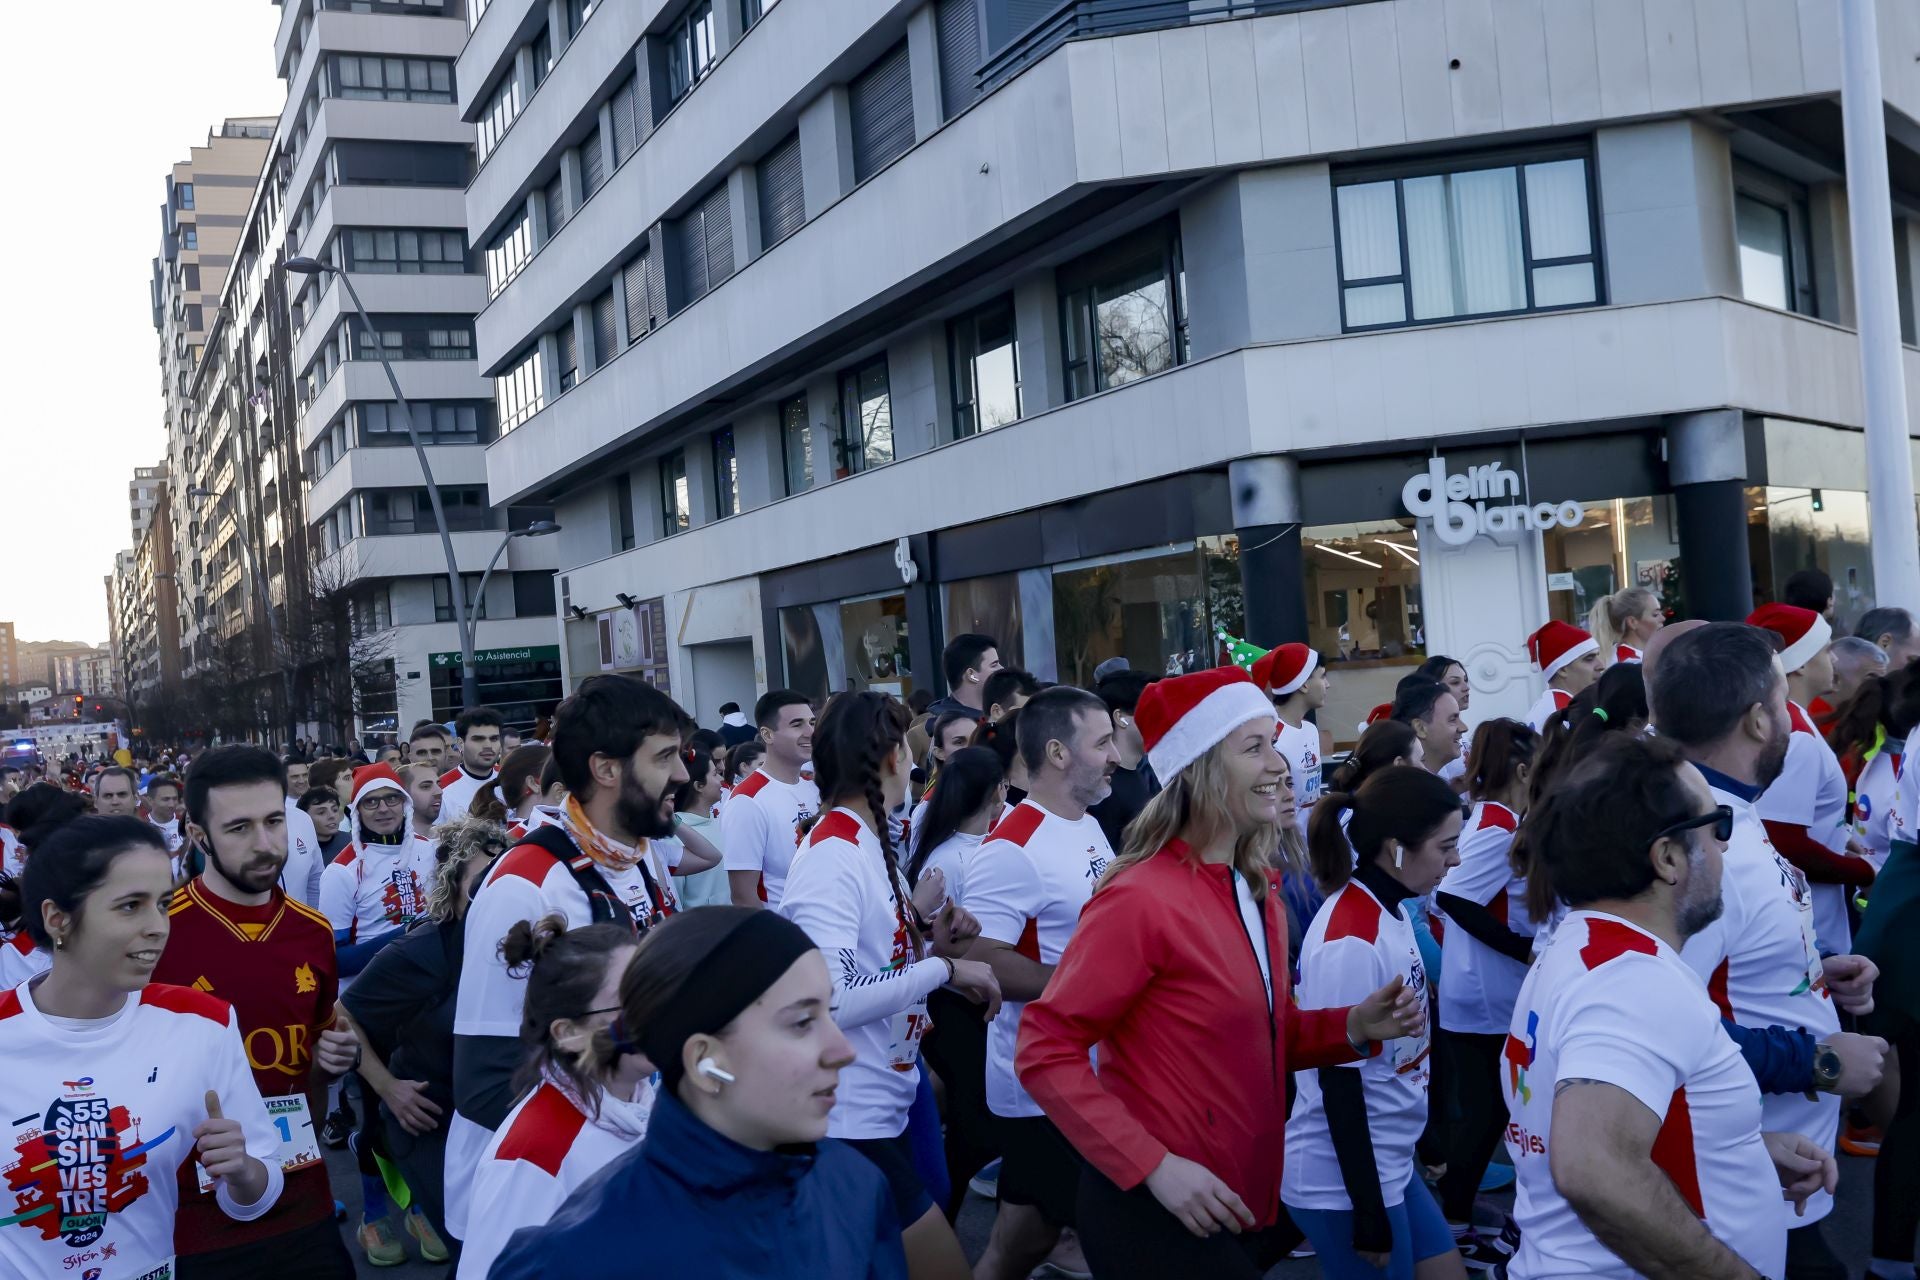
(1569, 659)
(1295, 679)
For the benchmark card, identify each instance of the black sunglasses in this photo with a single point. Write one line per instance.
(1720, 818)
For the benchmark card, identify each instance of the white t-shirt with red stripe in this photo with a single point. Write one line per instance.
(1300, 744)
(1903, 817)
(1875, 795)
(1762, 966)
(371, 889)
(20, 959)
(13, 854)
(100, 1115)
(760, 828)
(1544, 709)
(1026, 885)
(838, 892)
(1482, 983)
(1811, 792)
(546, 1147)
(457, 790)
(1609, 1001)
(1354, 947)
(1627, 653)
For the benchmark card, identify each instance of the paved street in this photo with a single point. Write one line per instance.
(1848, 1228)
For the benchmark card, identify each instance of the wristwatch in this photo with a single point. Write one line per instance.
(1826, 1069)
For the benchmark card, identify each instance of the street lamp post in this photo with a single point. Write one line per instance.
(463, 615)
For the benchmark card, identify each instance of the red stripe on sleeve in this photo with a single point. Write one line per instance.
(543, 1132)
(1673, 1152)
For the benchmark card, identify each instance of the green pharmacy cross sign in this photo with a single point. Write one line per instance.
(495, 657)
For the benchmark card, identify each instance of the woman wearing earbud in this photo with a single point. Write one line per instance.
(1350, 1180)
(582, 1108)
(735, 1177)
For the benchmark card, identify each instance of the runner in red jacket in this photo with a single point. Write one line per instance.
(1171, 972)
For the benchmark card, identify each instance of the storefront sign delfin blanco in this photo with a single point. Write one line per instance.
(1458, 504)
(903, 561)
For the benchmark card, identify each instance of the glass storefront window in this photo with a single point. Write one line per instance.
(1149, 607)
(1364, 614)
(847, 645)
(1619, 543)
(1826, 529)
(989, 606)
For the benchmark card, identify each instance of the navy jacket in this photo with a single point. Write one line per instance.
(689, 1202)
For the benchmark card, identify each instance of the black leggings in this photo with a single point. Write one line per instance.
(1129, 1235)
(1896, 1174)
(1473, 1073)
(956, 1049)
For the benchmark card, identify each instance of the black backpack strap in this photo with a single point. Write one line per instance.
(602, 905)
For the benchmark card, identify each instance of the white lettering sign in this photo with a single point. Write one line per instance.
(1458, 503)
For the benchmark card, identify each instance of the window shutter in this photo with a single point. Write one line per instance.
(693, 257)
(656, 260)
(717, 214)
(957, 27)
(639, 298)
(604, 342)
(556, 198)
(593, 165)
(626, 136)
(882, 108)
(569, 353)
(783, 197)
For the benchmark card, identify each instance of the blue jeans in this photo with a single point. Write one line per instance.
(1420, 1232)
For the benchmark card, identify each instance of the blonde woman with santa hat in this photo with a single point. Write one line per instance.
(1569, 659)
(1178, 972)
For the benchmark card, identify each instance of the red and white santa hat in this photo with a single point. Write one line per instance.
(1803, 632)
(1183, 718)
(1558, 643)
(371, 778)
(1285, 669)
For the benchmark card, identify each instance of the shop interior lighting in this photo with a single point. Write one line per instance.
(1403, 552)
(1348, 555)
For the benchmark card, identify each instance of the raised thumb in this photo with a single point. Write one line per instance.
(213, 1106)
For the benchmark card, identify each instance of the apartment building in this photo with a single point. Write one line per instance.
(832, 328)
(10, 673)
(142, 493)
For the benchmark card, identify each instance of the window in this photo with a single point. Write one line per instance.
(521, 391)
(413, 338)
(183, 195)
(674, 517)
(190, 278)
(401, 511)
(606, 341)
(751, 11)
(189, 237)
(623, 512)
(866, 418)
(706, 244)
(533, 594)
(1123, 312)
(405, 252)
(593, 166)
(501, 109)
(335, 529)
(726, 475)
(509, 254)
(796, 443)
(957, 33)
(443, 597)
(379, 423)
(623, 107)
(353, 75)
(541, 47)
(986, 369)
(783, 195)
(567, 356)
(1470, 242)
(373, 612)
(880, 102)
(690, 49)
(554, 196)
(1776, 256)
(366, 162)
(643, 296)
(578, 11)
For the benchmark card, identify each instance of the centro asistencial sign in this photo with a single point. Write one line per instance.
(1462, 504)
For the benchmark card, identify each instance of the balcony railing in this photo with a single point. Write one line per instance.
(1079, 19)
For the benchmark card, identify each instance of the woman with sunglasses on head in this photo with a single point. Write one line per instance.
(118, 1084)
(1177, 972)
(583, 1107)
(735, 1176)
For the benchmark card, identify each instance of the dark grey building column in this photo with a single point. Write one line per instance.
(1707, 461)
(925, 639)
(1266, 516)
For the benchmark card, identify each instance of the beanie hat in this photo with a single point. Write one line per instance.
(1284, 670)
(1183, 718)
(1804, 632)
(1556, 644)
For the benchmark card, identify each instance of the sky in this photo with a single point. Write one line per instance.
(95, 120)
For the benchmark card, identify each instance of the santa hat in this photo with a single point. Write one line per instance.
(1382, 712)
(370, 779)
(1285, 669)
(1804, 632)
(1183, 718)
(1556, 644)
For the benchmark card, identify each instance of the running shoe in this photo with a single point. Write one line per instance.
(1860, 1140)
(986, 1182)
(381, 1245)
(334, 1132)
(432, 1247)
(1497, 1177)
(1302, 1250)
(1478, 1252)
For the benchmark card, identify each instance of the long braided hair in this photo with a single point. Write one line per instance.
(856, 735)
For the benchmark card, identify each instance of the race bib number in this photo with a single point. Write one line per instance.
(904, 1031)
(293, 1125)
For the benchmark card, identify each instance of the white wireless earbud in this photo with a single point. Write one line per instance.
(708, 1067)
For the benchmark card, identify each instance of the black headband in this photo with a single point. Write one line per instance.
(735, 973)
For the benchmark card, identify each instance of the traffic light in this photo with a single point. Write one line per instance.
(76, 706)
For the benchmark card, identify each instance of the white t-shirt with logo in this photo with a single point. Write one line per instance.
(1875, 794)
(1811, 792)
(1762, 967)
(951, 859)
(1354, 947)
(838, 892)
(13, 854)
(457, 790)
(20, 959)
(1549, 704)
(1608, 1001)
(1026, 885)
(100, 1116)
(1482, 983)
(301, 876)
(760, 828)
(371, 889)
(1300, 744)
(1903, 816)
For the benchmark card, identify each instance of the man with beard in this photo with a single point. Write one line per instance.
(429, 799)
(1720, 694)
(617, 747)
(234, 932)
(1636, 1127)
(1026, 885)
